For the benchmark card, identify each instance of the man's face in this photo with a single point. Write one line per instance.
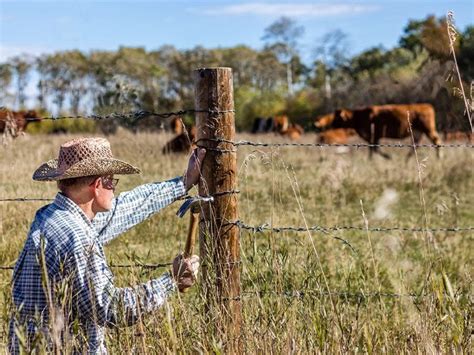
(105, 187)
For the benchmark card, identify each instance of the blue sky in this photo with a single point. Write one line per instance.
(46, 26)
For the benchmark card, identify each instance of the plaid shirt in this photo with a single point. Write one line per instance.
(70, 246)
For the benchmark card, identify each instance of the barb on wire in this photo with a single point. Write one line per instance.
(134, 115)
(331, 145)
(266, 227)
(140, 265)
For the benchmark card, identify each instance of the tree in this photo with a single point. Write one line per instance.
(6, 76)
(466, 53)
(330, 54)
(429, 34)
(282, 39)
(21, 66)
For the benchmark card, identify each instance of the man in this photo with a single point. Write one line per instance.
(62, 279)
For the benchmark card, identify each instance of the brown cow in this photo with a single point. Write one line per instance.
(280, 123)
(386, 121)
(176, 125)
(294, 131)
(13, 123)
(336, 136)
(182, 143)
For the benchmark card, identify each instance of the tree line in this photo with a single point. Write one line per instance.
(268, 81)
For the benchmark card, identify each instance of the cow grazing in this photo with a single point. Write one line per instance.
(280, 123)
(386, 121)
(182, 143)
(323, 122)
(336, 136)
(13, 123)
(294, 131)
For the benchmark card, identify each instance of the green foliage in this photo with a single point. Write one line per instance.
(302, 106)
(253, 103)
(429, 34)
(62, 126)
(466, 53)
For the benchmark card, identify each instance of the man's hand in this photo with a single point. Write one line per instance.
(185, 271)
(192, 174)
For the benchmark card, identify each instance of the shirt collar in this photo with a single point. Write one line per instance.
(65, 203)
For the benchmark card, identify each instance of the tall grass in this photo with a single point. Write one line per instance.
(301, 292)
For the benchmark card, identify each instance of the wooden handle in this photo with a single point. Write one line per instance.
(192, 231)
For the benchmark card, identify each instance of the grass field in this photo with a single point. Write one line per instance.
(431, 272)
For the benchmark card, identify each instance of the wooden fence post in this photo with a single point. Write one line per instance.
(219, 240)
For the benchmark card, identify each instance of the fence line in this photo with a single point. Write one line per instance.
(135, 115)
(140, 114)
(266, 227)
(114, 266)
(331, 145)
(288, 294)
(26, 199)
(342, 294)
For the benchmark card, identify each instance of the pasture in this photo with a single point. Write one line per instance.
(354, 290)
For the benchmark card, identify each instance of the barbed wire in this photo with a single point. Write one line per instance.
(25, 199)
(361, 295)
(266, 227)
(343, 294)
(328, 145)
(114, 266)
(134, 115)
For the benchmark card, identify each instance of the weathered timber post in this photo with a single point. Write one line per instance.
(219, 240)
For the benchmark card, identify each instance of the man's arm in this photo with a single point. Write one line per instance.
(99, 302)
(132, 207)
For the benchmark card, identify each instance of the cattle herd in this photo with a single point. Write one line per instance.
(370, 123)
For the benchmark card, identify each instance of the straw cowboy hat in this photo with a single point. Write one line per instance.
(83, 157)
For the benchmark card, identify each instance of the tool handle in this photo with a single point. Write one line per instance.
(192, 231)
(191, 240)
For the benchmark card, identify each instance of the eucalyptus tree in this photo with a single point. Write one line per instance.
(6, 76)
(281, 38)
(330, 57)
(54, 78)
(21, 66)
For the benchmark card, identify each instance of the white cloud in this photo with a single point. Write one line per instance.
(292, 10)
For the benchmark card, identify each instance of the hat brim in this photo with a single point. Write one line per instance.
(88, 167)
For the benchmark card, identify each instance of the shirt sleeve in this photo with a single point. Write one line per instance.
(98, 302)
(132, 207)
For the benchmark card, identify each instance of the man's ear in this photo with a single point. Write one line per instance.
(94, 185)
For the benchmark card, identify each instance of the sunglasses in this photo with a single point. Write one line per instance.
(109, 183)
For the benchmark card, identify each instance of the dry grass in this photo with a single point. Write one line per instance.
(291, 187)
